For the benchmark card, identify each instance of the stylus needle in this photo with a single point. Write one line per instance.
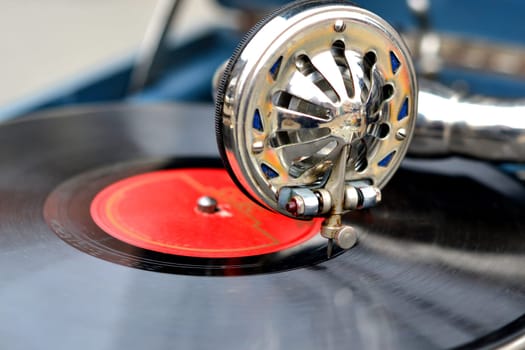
(329, 248)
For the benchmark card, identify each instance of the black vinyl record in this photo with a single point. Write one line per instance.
(439, 264)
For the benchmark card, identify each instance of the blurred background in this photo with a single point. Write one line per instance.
(59, 52)
(53, 48)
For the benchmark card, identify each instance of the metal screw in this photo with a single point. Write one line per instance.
(258, 147)
(295, 206)
(299, 62)
(346, 237)
(207, 204)
(339, 26)
(292, 207)
(401, 134)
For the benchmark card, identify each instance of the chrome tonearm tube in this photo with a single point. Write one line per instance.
(317, 107)
(482, 128)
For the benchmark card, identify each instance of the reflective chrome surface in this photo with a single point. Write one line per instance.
(450, 123)
(476, 127)
(322, 94)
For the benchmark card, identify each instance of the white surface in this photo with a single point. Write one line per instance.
(47, 43)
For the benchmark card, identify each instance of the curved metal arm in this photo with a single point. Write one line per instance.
(482, 128)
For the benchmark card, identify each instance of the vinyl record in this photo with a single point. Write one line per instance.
(101, 248)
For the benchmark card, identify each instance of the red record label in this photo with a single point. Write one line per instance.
(158, 211)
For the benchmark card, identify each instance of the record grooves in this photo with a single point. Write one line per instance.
(438, 265)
